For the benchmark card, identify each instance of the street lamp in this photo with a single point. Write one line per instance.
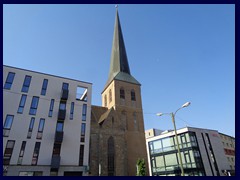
(173, 120)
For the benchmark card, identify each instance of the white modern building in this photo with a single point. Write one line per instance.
(229, 149)
(201, 150)
(46, 124)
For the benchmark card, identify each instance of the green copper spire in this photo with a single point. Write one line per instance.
(119, 68)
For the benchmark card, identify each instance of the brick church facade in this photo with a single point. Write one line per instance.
(117, 138)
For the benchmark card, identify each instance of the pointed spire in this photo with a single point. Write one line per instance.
(119, 68)
(119, 61)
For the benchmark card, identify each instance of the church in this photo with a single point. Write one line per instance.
(117, 138)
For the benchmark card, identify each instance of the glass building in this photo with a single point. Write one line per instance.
(165, 159)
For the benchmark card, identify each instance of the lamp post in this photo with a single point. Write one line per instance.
(174, 124)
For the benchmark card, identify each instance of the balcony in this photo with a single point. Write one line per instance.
(59, 137)
(62, 114)
(55, 163)
(64, 95)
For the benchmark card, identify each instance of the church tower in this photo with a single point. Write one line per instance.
(122, 93)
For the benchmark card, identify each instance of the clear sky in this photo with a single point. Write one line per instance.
(178, 53)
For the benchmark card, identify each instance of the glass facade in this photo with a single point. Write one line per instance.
(165, 159)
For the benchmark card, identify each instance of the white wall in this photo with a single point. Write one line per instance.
(71, 140)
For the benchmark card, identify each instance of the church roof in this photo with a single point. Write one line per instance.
(119, 67)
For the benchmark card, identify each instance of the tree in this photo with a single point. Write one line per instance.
(141, 167)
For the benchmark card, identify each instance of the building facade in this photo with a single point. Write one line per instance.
(201, 151)
(46, 124)
(117, 128)
(229, 149)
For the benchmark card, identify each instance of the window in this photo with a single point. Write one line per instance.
(36, 153)
(71, 110)
(133, 97)
(40, 128)
(50, 113)
(30, 129)
(34, 105)
(30, 173)
(110, 95)
(122, 93)
(9, 80)
(26, 84)
(56, 148)
(83, 128)
(62, 105)
(110, 156)
(65, 86)
(22, 103)
(84, 112)
(44, 87)
(59, 127)
(105, 100)
(21, 153)
(81, 155)
(7, 125)
(81, 94)
(8, 152)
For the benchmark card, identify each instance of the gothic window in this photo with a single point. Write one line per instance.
(133, 97)
(122, 93)
(110, 95)
(105, 100)
(110, 156)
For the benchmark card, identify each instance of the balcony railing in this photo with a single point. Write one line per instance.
(62, 114)
(55, 163)
(59, 137)
(64, 95)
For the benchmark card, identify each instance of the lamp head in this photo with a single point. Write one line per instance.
(159, 114)
(186, 104)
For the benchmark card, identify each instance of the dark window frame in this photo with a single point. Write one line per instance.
(34, 105)
(44, 87)
(9, 80)
(57, 126)
(111, 158)
(22, 103)
(40, 128)
(71, 111)
(30, 128)
(21, 153)
(50, 113)
(65, 86)
(26, 83)
(122, 93)
(133, 95)
(36, 153)
(6, 119)
(8, 152)
(83, 132)
(84, 112)
(81, 155)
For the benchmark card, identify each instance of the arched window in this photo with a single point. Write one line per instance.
(122, 93)
(105, 100)
(110, 95)
(133, 97)
(111, 156)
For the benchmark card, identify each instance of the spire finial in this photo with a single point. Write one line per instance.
(116, 6)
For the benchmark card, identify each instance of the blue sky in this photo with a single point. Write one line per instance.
(178, 53)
